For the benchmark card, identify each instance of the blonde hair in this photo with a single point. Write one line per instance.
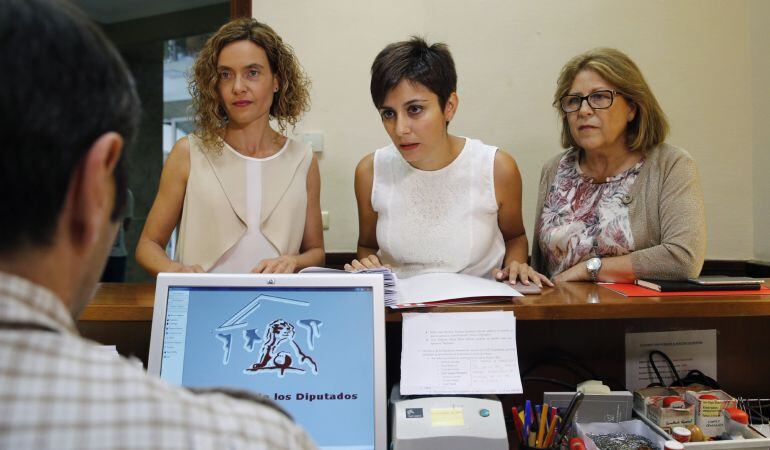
(289, 102)
(649, 126)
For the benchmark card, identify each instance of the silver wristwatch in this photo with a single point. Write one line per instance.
(594, 265)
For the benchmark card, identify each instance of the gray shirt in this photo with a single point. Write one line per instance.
(64, 392)
(665, 210)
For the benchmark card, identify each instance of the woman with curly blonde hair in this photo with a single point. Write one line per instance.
(246, 197)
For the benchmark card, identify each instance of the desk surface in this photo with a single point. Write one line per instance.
(568, 301)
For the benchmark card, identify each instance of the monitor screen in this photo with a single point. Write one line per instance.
(310, 349)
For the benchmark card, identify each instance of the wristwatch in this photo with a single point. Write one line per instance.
(594, 265)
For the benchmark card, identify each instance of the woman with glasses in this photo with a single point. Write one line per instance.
(431, 201)
(619, 203)
(245, 197)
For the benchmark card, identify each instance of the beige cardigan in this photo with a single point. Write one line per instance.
(666, 214)
(214, 211)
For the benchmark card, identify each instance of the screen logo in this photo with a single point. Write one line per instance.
(281, 349)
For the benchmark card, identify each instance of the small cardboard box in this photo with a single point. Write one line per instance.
(667, 418)
(708, 412)
(645, 397)
(650, 402)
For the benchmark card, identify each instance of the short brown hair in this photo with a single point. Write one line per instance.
(649, 127)
(291, 100)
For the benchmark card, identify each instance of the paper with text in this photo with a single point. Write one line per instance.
(459, 353)
(688, 350)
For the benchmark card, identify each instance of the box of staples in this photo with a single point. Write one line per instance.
(614, 406)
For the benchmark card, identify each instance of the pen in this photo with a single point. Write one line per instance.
(551, 431)
(527, 418)
(542, 426)
(517, 424)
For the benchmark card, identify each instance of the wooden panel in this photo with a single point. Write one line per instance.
(121, 302)
(240, 8)
(131, 338)
(568, 301)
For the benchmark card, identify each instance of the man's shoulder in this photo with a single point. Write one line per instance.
(113, 394)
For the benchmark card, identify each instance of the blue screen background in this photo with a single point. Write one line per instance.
(343, 351)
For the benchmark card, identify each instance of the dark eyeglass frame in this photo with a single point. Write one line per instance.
(587, 98)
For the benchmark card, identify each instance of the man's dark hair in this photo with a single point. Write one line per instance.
(430, 65)
(62, 85)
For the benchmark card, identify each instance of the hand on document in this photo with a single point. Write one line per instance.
(368, 262)
(521, 271)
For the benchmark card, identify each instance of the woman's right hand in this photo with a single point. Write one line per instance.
(180, 268)
(369, 262)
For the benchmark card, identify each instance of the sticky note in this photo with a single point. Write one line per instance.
(447, 417)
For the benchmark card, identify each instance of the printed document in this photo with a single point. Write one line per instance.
(688, 350)
(459, 353)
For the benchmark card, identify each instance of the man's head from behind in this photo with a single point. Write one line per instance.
(68, 104)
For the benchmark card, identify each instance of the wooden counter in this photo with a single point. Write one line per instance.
(569, 301)
(121, 302)
(582, 321)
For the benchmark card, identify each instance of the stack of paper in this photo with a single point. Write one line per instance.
(389, 279)
(432, 289)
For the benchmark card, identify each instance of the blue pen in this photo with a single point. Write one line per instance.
(527, 419)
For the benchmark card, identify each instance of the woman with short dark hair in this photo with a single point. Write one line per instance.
(620, 203)
(432, 201)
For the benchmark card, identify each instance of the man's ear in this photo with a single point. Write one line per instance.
(93, 189)
(450, 108)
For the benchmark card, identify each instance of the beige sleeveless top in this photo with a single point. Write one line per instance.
(214, 210)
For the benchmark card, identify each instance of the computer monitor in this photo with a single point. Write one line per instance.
(313, 343)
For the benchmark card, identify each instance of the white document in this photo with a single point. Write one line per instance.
(433, 288)
(688, 350)
(459, 353)
(437, 287)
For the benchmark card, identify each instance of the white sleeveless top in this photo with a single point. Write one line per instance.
(253, 245)
(438, 221)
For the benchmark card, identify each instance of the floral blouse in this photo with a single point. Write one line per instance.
(582, 219)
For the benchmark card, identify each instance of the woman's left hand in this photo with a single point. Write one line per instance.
(578, 272)
(521, 271)
(281, 264)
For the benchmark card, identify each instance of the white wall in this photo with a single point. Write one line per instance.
(696, 54)
(759, 12)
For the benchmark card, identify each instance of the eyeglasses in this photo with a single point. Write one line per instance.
(597, 100)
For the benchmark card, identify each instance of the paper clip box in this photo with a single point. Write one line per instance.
(615, 406)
